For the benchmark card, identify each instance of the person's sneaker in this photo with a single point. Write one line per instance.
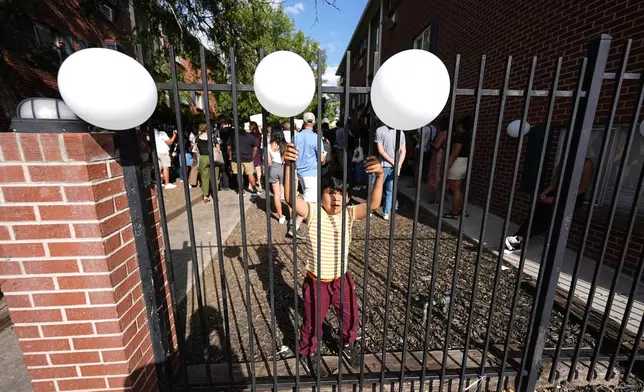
(512, 244)
(169, 186)
(282, 220)
(298, 234)
(351, 353)
(310, 364)
(385, 217)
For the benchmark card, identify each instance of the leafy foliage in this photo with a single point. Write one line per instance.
(245, 25)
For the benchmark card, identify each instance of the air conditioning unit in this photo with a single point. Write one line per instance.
(107, 12)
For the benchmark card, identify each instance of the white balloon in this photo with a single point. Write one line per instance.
(514, 126)
(410, 89)
(284, 84)
(107, 88)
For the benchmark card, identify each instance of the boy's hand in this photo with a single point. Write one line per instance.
(290, 155)
(372, 166)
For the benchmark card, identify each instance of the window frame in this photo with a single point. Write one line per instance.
(426, 32)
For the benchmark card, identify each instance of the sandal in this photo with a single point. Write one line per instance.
(206, 199)
(451, 215)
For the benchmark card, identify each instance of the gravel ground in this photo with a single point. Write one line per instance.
(259, 279)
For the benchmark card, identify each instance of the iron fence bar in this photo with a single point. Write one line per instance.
(350, 379)
(318, 307)
(506, 221)
(470, 159)
(488, 92)
(127, 144)
(242, 219)
(179, 326)
(412, 256)
(215, 205)
(595, 191)
(629, 232)
(390, 255)
(439, 224)
(296, 308)
(613, 210)
(367, 239)
(519, 279)
(570, 178)
(486, 211)
(540, 276)
(344, 218)
(627, 314)
(269, 235)
(636, 346)
(544, 145)
(625, 75)
(191, 229)
(248, 88)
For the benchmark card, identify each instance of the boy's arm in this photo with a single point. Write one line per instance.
(300, 206)
(372, 166)
(230, 152)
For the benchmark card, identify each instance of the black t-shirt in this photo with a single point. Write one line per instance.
(224, 135)
(246, 144)
(465, 140)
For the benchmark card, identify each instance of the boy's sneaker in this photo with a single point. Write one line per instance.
(282, 220)
(351, 353)
(310, 364)
(169, 186)
(512, 244)
(385, 217)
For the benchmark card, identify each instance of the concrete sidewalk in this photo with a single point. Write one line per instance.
(492, 240)
(205, 236)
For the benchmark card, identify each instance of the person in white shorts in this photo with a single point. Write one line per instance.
(457, 164)
(163, 143)
(306, 143)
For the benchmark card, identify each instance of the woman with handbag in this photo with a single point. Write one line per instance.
(204, 162)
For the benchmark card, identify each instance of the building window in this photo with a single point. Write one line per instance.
(111, 44)
(361, 62)
(107, 12)
(199, 100)
(45, 37)
(363, 46)
(82, 45)
(423, 39)
(609, 176)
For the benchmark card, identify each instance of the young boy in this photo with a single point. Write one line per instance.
(330, 262)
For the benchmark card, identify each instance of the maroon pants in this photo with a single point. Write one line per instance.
(329, 294)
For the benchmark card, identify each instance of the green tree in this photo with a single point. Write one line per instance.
(245, 25)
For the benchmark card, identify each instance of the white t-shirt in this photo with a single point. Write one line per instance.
(160, 139)
(287, 136)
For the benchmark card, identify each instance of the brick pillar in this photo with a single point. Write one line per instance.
(68, 265)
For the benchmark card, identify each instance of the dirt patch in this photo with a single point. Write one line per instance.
(284, 281)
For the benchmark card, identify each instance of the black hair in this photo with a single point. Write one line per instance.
(443, 123)
(332, 183)
(278, 137)
(466, 122)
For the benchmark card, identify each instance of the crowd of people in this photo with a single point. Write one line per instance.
(293, 153)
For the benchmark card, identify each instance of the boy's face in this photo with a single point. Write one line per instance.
(332, 201)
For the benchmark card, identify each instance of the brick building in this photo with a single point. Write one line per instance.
(37, 38)
(497, 29)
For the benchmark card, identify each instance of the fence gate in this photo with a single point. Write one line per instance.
(435, 310)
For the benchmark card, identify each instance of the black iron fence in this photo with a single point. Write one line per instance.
(524, 362)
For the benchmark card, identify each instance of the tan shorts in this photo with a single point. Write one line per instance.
(458, 170)
(247, 168)
(164, 159)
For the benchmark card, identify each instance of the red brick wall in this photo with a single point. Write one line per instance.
(69, 266)
(546, 29)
